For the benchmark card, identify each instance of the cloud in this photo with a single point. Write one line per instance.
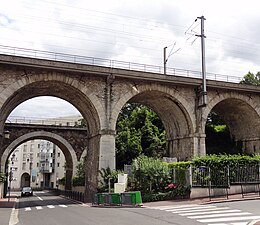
(44, 107)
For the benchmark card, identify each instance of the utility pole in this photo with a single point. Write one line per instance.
(164, 60)
(203, 69)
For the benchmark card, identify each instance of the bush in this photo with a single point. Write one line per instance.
(62, 181)
(2, 178)
(78, 181)
(171, 192)
(150, 174)
(107, 175)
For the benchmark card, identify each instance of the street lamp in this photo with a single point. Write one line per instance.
(11, 175)
(29, 160)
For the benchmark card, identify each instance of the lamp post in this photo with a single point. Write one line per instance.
(11, 175)
(30, 168)
(5, 135)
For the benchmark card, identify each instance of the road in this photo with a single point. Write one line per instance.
(46, 209)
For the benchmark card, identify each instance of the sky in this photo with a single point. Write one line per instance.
(135, 31)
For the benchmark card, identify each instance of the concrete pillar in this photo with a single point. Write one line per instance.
(199, 144)
(107, 150)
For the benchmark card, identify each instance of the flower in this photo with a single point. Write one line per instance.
(170, 186)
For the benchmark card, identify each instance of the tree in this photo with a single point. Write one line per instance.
(251, 79)
(139, 131)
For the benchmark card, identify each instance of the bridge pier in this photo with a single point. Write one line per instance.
(68, 179)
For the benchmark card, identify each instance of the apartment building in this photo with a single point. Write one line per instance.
(38, 163)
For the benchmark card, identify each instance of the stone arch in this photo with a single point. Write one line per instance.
(174, 111)
(57, 85)
(68, 151)
(242, 115)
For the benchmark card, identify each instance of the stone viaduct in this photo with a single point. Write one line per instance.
(99, 93)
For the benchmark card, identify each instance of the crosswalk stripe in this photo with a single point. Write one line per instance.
(228, 219)
(63, 206)
(38, 207)
(211, 211)
(220, 215)
(191, 209)
(51, 206)
(28, 209)
(172, 207)
(240, 223)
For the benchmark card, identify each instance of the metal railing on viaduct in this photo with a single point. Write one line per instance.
(8, 50)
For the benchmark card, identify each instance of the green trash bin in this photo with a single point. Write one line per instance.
(136, 198)
(132, 198)
(100, 198)
(115, 199)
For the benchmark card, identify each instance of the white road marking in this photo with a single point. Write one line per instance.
(28, 209)
(191, 209)
(219, 215)
(50, 206)
(38, 197)
(211, 211)
(63, 206)
(14, 215)
(228, 219)
(38, 207)
(239, 223)
(171, 207)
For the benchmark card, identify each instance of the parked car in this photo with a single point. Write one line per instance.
(26, 191)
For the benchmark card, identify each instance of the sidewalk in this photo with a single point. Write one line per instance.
(8, 202)
(231, 198)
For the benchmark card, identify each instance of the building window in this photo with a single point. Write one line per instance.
(58, 154)
(50, 164)
(58, 164)
(24, 156)
(25, 148)
(31, 149)
(39, 146)
(24, 166)
(38, 164)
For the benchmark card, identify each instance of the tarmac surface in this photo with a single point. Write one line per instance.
(9, 202)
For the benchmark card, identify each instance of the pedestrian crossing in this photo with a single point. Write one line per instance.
(211, 214)
(27, 209)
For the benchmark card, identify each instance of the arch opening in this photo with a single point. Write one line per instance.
(174, 119)
(242, 127)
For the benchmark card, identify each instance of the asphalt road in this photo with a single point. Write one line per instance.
(46, 209)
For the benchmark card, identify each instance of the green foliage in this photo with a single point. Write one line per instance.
(218, 139)
(107, 175)
(251, 79)
(220, 161)
(139, 131)
(150, 173)
(179, 165)
(2, 177)
(62, 181)
(79, 179)
(81, 123)
(178, 192)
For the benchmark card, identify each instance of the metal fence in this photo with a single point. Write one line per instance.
(8, 50)
(75, 195)
(219, 180)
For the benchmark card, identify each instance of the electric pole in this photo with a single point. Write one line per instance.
(203, 69)
(164, 60)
